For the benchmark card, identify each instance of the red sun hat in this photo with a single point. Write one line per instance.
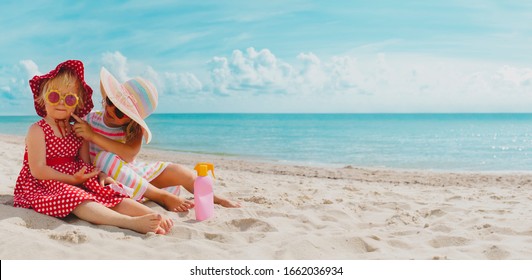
(77, 67)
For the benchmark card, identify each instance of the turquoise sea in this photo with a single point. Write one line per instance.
(457, 142)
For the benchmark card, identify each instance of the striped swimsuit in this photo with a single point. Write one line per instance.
(133, 175)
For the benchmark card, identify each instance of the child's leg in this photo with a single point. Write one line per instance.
(171, 202)
(116, 168)
(176, 174)
(98, 214)
(132, 208)
(138, 187)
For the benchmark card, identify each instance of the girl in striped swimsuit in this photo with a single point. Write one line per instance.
(115, 135)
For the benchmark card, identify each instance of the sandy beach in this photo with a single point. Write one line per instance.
(296, 212)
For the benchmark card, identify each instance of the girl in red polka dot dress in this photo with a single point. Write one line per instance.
(56, 178)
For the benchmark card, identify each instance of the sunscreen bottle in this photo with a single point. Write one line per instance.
(203, 194)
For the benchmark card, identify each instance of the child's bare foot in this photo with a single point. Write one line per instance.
(166, 224)
(160, 231)
(147, 223)
(226, 203)
(176, 204)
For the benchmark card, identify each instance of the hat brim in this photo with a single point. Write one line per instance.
(120, 98)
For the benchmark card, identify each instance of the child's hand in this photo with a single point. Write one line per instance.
(105, 179)
(82, 129)
(80, 177)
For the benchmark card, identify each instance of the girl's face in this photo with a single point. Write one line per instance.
(61, 108)
(110, 116)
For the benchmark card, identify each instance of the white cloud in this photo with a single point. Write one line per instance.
(381, 82)
(262, 72)
(312, 76)
(31, 68)
(179, 83)
(251, 72)
(517, 78)
(117, 64)
(220, 74)
(166, 82)
(344, 73)
(15, 94)
(14, 80)
(257, 80)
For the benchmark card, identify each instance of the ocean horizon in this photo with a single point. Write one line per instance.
(426, 141)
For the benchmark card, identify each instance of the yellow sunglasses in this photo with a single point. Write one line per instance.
(53, 97)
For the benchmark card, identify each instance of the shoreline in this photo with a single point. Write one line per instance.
(348, 172)
(296, 212)
(236, 158)
(190, 157)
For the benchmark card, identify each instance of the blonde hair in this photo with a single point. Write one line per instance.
(67, 78)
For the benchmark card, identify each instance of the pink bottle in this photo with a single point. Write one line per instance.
(203, 194)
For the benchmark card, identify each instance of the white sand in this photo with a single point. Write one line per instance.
(297, 212)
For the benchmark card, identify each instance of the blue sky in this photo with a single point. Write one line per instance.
(281, 56)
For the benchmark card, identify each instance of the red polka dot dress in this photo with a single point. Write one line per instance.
(55, 198)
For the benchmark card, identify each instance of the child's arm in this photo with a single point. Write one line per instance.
(84, 153)
(85, 156)
(105, 179)
(37, 160)
(126, 151)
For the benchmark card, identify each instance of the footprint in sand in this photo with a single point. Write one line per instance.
(434, 213)
(6, 200)
(216, 237)
(257, 200)
(496, 253)
(441, 228)
(399, 244)
(350, 188)
(456, 197)
(230, 239)
(359, 245)
(448, 241)
(73, 237)
(251, 224)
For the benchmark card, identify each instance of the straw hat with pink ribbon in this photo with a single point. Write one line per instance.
(137, 98)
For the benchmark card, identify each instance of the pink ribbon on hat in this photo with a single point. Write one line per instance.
(133, 100)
